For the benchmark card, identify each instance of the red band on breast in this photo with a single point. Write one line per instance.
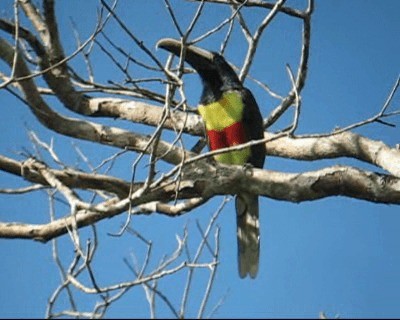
(216, 139)
(230, 136)
(235, 134)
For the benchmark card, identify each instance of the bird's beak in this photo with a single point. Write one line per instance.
(198, 58)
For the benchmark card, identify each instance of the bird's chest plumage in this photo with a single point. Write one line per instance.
(225, 127)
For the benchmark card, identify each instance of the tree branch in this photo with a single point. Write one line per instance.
(71, 178)
(345, 144)
(202, 179)
(83, 129)
(260, 4)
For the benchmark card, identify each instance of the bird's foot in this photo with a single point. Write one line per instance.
(248, 169)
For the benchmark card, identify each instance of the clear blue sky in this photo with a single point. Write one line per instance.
(336, 255)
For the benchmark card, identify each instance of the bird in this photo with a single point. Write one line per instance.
(232, 117)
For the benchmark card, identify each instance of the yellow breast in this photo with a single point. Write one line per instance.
(224, 112)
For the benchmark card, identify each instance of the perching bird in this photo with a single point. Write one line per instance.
(231, 117)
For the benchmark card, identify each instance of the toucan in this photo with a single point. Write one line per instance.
(232, 117)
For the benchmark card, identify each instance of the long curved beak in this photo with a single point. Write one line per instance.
(198, 58)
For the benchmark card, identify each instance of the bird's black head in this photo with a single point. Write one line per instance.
(216, 74)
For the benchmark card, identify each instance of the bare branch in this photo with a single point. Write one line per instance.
(211, 181)
(34, 187)
(302, 69)
(254, 39)
(79, 128)
(211, 277)
(36, 19)
(122, 285)
(16, 41)
(173, 17)
(71, 178)
(203, 243)
(260, 4)
(138, 42)
(346, 144)
(377, 117)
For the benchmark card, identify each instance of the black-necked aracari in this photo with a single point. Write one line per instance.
(232, 117)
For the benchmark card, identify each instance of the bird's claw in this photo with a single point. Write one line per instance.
(248, 169)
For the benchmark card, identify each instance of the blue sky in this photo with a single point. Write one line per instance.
(335, 255)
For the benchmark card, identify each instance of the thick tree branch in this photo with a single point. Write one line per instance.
(25, 34)
(35, 17)
(146, 113)
(345, 144)
(71, 178)
(204, 180)
(295, 187)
